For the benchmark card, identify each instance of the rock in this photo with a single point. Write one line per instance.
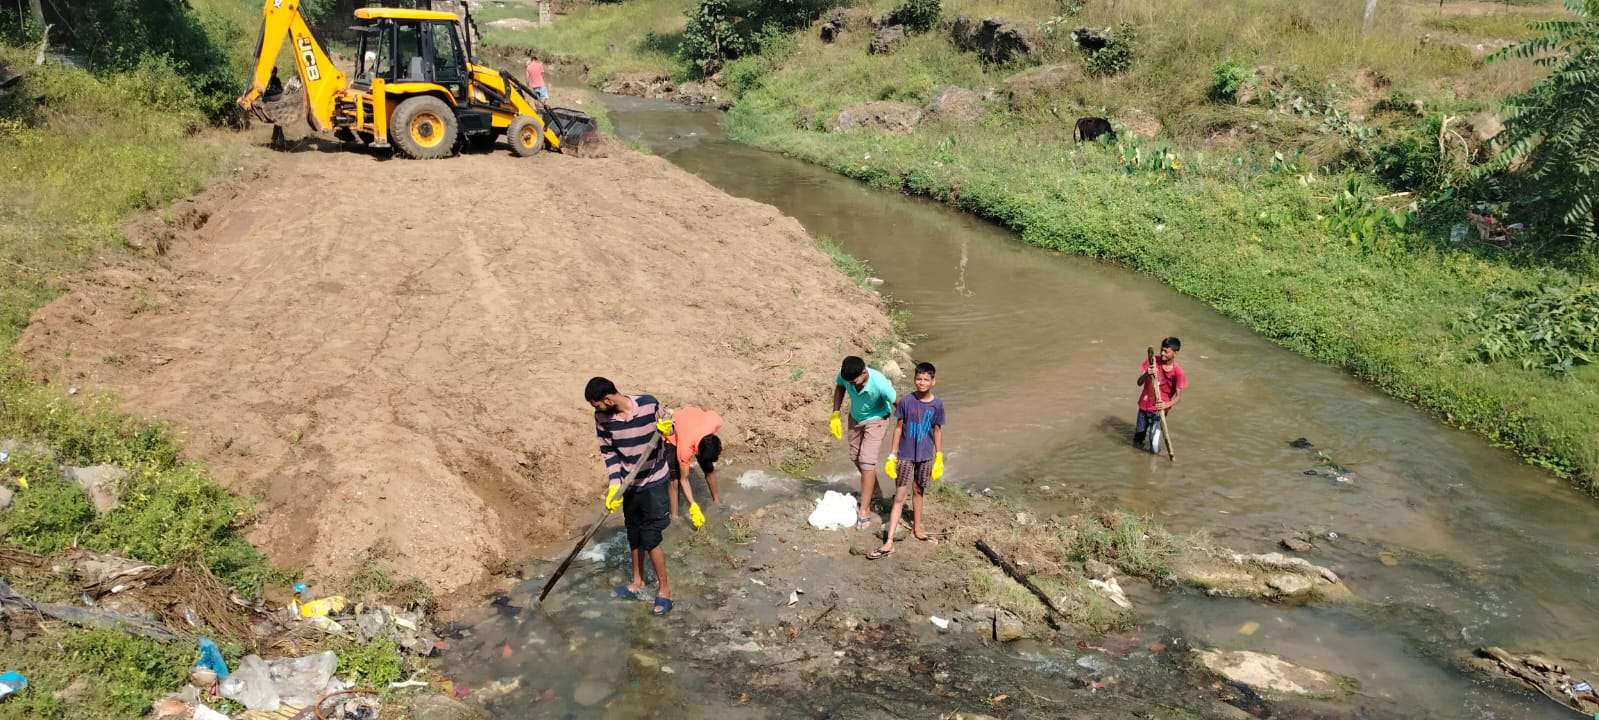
(6, 495)
(892, 370)
(645, 661)
(1300, 444)
(1142, 124)
(1387, 559)
(1089, 39)
(693, 93)
(899, 532)
(1297, 545)
(957, 106)
(1038, 83)
(438, 707)
(1097, 570)
(995, 40)
(1289, 584)
(1008, 627)
(102, 483)
(886, 40)
(887, 116)
(1484, 128)
(1265, 672)
(517, 24)
(590, 692)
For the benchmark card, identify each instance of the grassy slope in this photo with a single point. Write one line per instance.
(1232, 228)
(80, 153)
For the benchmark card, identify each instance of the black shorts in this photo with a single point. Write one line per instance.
(646, 513)
(674, 469)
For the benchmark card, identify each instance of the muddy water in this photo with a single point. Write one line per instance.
(1037, 357)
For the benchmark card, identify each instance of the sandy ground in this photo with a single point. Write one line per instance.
(393, 352)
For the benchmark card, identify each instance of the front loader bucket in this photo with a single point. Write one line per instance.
(571, 126)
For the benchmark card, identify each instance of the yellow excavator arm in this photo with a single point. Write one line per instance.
(323, 82)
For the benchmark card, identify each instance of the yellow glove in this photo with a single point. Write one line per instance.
(665, 426)
(613, 497)
(938, 466)
(695, 517)
(891, 467)
(836, 426)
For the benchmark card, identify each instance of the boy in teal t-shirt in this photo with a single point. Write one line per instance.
(871, 401)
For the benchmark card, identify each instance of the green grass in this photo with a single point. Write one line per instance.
(612, 38)
(852, 267)
(99, 674)
(1134, 544)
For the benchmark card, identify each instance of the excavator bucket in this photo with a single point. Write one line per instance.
(573, 127)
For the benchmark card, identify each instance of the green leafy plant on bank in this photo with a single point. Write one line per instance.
(918, 16)
(1117, 56)
(1554, 328)
(1554, 126)
(1226, 80)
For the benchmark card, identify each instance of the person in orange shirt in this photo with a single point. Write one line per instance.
(692, 439)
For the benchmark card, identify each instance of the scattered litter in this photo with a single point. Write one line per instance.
(261, 685)
(758, 582)
(833, 511)
(201, 712)
(1249, 628)
(505, 650)
(1544, 675)
(793, 598)
(322, 608)
(211, 659)
(598, 552)
(1113, 590)
(11, 682)
(940, 622)
(667, 669)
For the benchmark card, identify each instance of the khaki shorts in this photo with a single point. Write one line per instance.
(866, 442)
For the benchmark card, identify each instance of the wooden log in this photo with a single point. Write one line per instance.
(1015, 574)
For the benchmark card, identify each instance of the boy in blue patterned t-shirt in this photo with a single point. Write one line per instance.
(919, 441)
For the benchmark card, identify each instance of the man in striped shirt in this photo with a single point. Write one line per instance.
(626, 424)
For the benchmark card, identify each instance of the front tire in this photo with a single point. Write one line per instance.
(524, 136)
(423, 127)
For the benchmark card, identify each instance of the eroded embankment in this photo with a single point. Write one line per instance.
(394, 352)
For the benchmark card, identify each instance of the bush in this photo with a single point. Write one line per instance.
(1226, 80)
(722, 30)
(1555, 328)
(918, 16)
(1554, 126)
(1117, 55)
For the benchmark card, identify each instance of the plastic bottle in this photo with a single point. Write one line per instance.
(11, 681)
(304, 591)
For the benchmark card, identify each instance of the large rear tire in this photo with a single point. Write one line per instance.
(423, 127)
(525, 136)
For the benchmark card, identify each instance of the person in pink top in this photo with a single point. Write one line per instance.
(535, 77)
(692, 440)
(1172, 382)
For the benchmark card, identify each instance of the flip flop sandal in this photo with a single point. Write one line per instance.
(623, 592)
(879, 554)
(662, 607)
(861, 522)
(926, 538)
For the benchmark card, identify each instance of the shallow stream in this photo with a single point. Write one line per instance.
(1037, 356)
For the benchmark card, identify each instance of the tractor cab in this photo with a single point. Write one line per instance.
(410, 46)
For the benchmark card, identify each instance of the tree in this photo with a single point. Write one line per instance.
(1554, 126)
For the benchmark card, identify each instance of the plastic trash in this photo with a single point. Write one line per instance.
(300, 681)
(202, 712)
(11, 682)
(322, 608)
(834, 510)
(211, 659)
(941, 623)
(250, 684)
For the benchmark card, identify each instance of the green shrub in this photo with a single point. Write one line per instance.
(1555, 328)
(47, 517)
(373, 664)
(1117, 55)
(918, 16)
(722, 30)
(93, 675)
(1554, 126)
(1226, 80)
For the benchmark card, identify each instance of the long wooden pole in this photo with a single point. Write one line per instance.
(1160, 402)
(655, 439)
(1003, 564)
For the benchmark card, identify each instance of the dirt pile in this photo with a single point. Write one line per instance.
(394, 352)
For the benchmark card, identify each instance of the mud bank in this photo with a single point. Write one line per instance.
(392, 353)
(778, 619)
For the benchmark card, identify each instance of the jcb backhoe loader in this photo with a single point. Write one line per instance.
(415, 86)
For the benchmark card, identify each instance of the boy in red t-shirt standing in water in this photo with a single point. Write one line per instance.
(1172, 382)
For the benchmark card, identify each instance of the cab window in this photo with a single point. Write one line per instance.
(447, 62)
